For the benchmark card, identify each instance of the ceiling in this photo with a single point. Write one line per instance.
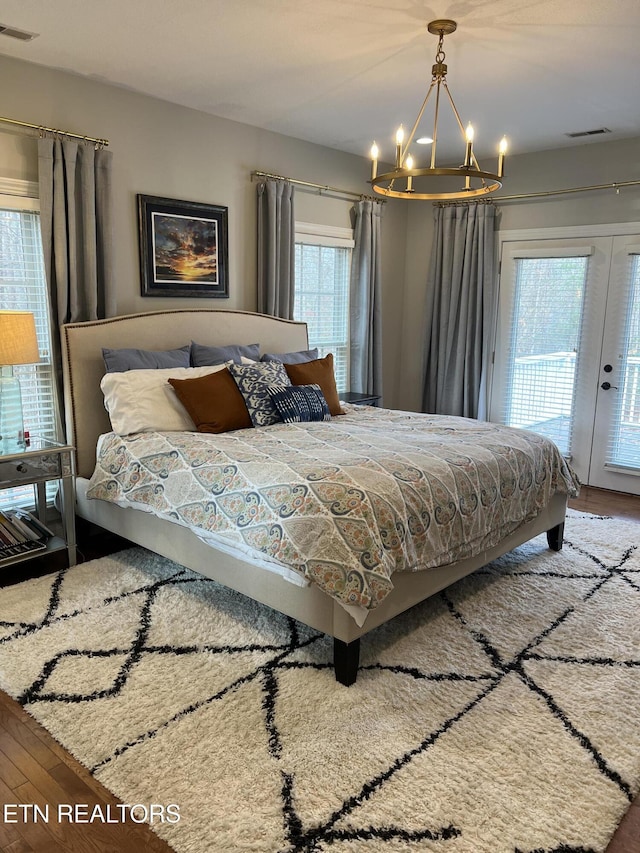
(342, 73)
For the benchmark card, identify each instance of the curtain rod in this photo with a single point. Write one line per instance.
(43, 129)
(320, 187)
(613, 186)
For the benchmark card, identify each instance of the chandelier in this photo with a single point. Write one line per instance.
(399, 182)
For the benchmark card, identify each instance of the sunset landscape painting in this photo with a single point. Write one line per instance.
(183, 248)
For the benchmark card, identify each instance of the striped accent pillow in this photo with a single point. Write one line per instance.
(299, 403)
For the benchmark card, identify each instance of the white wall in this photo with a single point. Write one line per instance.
(584, 165)
(165, 150)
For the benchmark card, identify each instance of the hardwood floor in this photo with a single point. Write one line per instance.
(34, 768)
(602, 502)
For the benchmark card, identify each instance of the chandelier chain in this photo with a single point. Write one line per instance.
(440, 56)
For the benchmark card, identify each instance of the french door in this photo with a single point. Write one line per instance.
(567, 360)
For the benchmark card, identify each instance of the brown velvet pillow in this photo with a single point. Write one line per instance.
(213, 401)
(318, 372)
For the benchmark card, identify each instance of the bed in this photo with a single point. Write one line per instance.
(345, 619)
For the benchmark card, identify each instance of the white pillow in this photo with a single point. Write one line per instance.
(144, 401)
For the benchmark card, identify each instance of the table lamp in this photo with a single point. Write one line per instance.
(18, 345)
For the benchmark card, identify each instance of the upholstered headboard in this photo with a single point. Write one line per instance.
(83, 365)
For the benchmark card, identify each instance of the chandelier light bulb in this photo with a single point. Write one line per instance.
(374, 158)
(399, 141)
(468, 154)
(502, 150)
(409, 165)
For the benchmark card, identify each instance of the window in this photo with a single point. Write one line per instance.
(322, 269)
(23, 288)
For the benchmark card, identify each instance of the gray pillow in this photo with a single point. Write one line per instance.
(254, 380)
(204, 356)
(291, 357)
(121, 360)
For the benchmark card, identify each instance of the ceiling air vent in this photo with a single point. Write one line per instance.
(597, 132)
(15, 33)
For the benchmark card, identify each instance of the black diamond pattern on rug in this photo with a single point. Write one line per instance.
(522, 637)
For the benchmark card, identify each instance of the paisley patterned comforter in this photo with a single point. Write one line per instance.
(345, 503)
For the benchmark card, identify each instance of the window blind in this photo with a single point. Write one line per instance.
(23, 288)
(322, 301)
(623, 448)
(544, 342)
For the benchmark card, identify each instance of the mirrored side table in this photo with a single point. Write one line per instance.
(36, 464)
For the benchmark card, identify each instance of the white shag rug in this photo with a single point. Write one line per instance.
(502, 715)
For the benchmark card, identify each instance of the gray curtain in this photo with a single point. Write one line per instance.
(276, 248)
(77, 236)
(365, 301)
(460, 310)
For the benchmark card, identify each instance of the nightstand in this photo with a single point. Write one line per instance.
(36, 465)
(359, 399)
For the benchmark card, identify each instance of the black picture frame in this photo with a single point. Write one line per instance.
(183, 248)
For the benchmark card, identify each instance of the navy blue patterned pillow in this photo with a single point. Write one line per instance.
(254, 380)
(300, 403)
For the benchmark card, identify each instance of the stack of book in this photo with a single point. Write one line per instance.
(21, 532)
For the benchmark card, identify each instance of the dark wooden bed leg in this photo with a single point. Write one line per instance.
(345, 661)
(555, 537)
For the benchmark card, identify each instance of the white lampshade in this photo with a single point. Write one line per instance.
(18, 341)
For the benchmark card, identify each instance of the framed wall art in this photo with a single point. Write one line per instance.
(183, 248)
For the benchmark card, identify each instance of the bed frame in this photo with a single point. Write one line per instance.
(86, 419)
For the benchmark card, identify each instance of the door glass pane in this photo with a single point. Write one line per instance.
(624, 449)
(545, 337)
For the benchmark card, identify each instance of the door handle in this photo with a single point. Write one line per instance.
(607, 385)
